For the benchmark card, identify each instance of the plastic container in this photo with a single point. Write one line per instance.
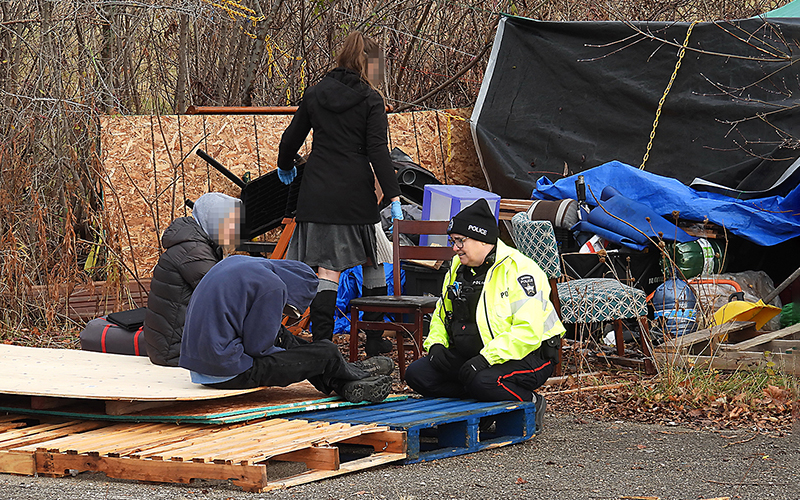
(674, 305)
(442, 202)
(695, 258)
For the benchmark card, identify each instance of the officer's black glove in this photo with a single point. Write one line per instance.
(441, 357)
(471, 368)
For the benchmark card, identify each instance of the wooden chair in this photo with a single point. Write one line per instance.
(398, 304)
(588, 300)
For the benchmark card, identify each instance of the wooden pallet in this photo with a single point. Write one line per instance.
(735, 346)
(443, 427)
(248, 454)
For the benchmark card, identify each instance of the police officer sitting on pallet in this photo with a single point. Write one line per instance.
(489, 332)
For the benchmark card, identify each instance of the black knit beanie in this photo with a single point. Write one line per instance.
(476, 221)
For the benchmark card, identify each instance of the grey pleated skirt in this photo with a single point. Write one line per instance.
(333, 246)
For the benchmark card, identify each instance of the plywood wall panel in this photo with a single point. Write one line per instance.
(150, 166)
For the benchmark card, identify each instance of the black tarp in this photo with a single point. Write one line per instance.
(562, 97)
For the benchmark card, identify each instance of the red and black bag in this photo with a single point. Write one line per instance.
(103, 335)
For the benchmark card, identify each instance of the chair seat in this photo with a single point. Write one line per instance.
(422, 301)
(592, 300)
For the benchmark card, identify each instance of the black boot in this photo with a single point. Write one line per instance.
(372, 389)
(376, 344)
(321, 313)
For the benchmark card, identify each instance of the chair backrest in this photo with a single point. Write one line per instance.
(435, 227)
(537, 240)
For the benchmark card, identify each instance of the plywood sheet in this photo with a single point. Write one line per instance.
(70, 373)
(149, 165)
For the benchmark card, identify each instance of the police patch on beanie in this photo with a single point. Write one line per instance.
(476, 221)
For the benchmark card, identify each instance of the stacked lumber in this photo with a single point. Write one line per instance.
(736, 345)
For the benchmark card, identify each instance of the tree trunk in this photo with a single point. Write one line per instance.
(183, 65)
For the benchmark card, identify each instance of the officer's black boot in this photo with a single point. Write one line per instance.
(321, 313)
(376, 344)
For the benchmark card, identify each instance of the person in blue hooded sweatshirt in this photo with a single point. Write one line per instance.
(233, 337)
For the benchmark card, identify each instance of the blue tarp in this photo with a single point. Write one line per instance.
(629, 223)
(350, 283)
(764, 221)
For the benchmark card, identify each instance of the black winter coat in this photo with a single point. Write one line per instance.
(189, 254)
(350, 133)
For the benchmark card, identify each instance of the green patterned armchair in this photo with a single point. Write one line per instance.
(588, 300)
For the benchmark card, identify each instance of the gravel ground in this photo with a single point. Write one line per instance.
(574, 458)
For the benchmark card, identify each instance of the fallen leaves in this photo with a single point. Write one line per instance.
(709, 403)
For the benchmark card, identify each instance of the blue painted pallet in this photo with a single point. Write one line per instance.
(443, 427)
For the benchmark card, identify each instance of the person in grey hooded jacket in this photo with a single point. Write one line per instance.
(193, 245)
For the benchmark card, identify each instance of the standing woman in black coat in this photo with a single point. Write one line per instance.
(337, 208)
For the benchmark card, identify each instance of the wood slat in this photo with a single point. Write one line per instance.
(163, 452)
(763, 338)
(30, 442)
(316, 457)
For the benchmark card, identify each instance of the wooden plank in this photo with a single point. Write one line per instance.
(278, 426)
(763, 338)
(11, 425)
(28, 430)
(751, 361)
(782, 345)
(78, 374)
(345, 468)
(17, 462)
(251, 478)
(255, 453)
(383, 441)
(96, 441)
(706, 338)
(509, 207)
(128, 407)
(316, 457)
(48, 402)
(29, 442)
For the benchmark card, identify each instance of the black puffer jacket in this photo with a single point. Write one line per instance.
(190, 254)
(350, 133)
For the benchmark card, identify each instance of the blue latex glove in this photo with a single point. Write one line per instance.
(287, 176)
(397, 210)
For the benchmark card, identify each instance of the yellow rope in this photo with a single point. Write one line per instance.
(666, 91)
(233, 13)
(229, 7)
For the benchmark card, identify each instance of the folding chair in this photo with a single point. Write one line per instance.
(398, 304)
(589, 300)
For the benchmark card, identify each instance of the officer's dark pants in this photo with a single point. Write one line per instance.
(512, 381)
(321, 363)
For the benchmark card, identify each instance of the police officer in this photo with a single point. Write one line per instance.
(489, 331)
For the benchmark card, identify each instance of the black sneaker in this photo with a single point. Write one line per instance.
(376, 365)
(541, 406)
(372, 389)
